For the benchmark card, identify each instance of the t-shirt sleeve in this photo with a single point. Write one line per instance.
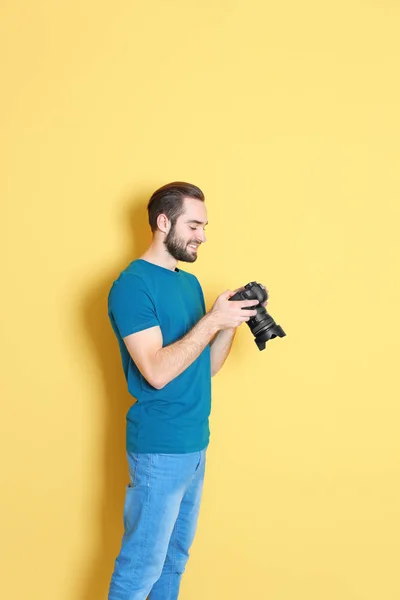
(131, 306)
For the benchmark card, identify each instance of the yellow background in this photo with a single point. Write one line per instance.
(287, 115)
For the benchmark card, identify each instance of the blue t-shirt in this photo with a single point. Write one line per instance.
(174, 419)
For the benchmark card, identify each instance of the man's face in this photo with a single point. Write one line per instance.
(188, 233)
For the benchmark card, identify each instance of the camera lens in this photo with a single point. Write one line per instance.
(262, 325)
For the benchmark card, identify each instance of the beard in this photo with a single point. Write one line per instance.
(178, 248)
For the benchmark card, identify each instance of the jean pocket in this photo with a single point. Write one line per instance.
(133, 460)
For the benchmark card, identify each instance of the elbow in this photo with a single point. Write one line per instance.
(158, 385)
(157, 382)
(153, 378)
(154, 381)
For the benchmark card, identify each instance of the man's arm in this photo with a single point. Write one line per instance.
(159, 365)
(220, 348)
(222, 343)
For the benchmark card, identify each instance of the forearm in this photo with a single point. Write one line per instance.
(220, 348)
(173, 359)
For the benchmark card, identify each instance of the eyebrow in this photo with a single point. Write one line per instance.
(197, 222)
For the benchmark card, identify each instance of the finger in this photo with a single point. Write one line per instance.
(248, 312)
(249, 315)
(244, 303)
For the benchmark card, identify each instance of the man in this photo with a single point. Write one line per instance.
(170, 348)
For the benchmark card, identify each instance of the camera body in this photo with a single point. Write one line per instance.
(262, 325)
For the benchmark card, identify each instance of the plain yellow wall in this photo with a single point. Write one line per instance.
(287, 115)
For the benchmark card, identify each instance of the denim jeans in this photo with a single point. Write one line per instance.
(160, 518)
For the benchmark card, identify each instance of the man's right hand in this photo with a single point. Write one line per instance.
(229, 314)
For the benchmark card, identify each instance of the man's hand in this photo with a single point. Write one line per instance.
(243, 287)
(221, 344)
(227, 315)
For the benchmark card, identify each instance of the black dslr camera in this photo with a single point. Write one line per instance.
(262, 325)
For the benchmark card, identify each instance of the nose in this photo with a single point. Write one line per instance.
(203, 237)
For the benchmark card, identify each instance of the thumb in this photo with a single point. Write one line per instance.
(227, 294)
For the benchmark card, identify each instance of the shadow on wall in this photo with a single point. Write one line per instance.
(108, 511)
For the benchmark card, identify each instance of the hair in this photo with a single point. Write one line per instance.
(168, 200)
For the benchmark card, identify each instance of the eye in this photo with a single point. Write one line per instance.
(193, 228)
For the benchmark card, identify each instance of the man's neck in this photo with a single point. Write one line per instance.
(160, 257)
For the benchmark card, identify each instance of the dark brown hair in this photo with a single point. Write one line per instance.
(168, 200)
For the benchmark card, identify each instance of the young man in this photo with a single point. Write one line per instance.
(170, 348)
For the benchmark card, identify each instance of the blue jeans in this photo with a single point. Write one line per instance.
(160, 518)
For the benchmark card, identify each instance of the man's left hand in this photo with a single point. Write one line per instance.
(243, 287)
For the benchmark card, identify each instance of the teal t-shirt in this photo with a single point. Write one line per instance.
(174, 419)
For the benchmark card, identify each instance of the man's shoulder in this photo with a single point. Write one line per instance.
(139, 275)
(133, 269)
(130, 277)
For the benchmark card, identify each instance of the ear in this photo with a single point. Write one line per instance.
(163, 223)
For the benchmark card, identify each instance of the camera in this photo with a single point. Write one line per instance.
(262, 325)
